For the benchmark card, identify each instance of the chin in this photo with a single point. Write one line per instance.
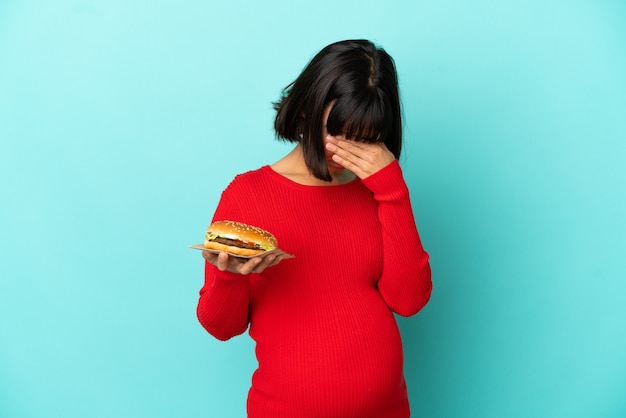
(335, 168)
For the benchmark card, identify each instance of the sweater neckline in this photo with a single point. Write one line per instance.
(270, 171)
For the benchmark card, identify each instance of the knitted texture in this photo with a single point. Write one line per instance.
(327, 342)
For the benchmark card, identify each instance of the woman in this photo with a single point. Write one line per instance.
(327, 342)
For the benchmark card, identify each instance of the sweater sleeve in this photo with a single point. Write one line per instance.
(405, 284)
(224, 299)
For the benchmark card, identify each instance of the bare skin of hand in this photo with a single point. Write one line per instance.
(360, 158)
(225, 262)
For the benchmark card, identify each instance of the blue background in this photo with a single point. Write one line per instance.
(121, 122)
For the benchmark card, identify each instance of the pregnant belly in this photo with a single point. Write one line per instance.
(330, 362)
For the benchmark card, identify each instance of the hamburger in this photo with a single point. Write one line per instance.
(239, 239)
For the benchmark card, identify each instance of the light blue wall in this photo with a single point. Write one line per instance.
(121, 122)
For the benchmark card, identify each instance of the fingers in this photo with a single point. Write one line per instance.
(236, 264)
(210, 257)
(346, 155)
(249, 266)
(224, 262)
(362, 159)
(269, 261)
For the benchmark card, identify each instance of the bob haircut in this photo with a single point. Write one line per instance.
(361, 80)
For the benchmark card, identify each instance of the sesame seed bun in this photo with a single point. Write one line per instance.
(239, 238)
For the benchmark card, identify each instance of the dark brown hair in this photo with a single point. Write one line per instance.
(361, 79)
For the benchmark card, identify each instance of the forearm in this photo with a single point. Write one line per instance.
(223, 305)
(405, 284)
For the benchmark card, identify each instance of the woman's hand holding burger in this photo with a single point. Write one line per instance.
(240, 248)
(225, 262)
(361, 158)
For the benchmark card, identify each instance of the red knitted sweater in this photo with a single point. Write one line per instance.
(327, 342)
